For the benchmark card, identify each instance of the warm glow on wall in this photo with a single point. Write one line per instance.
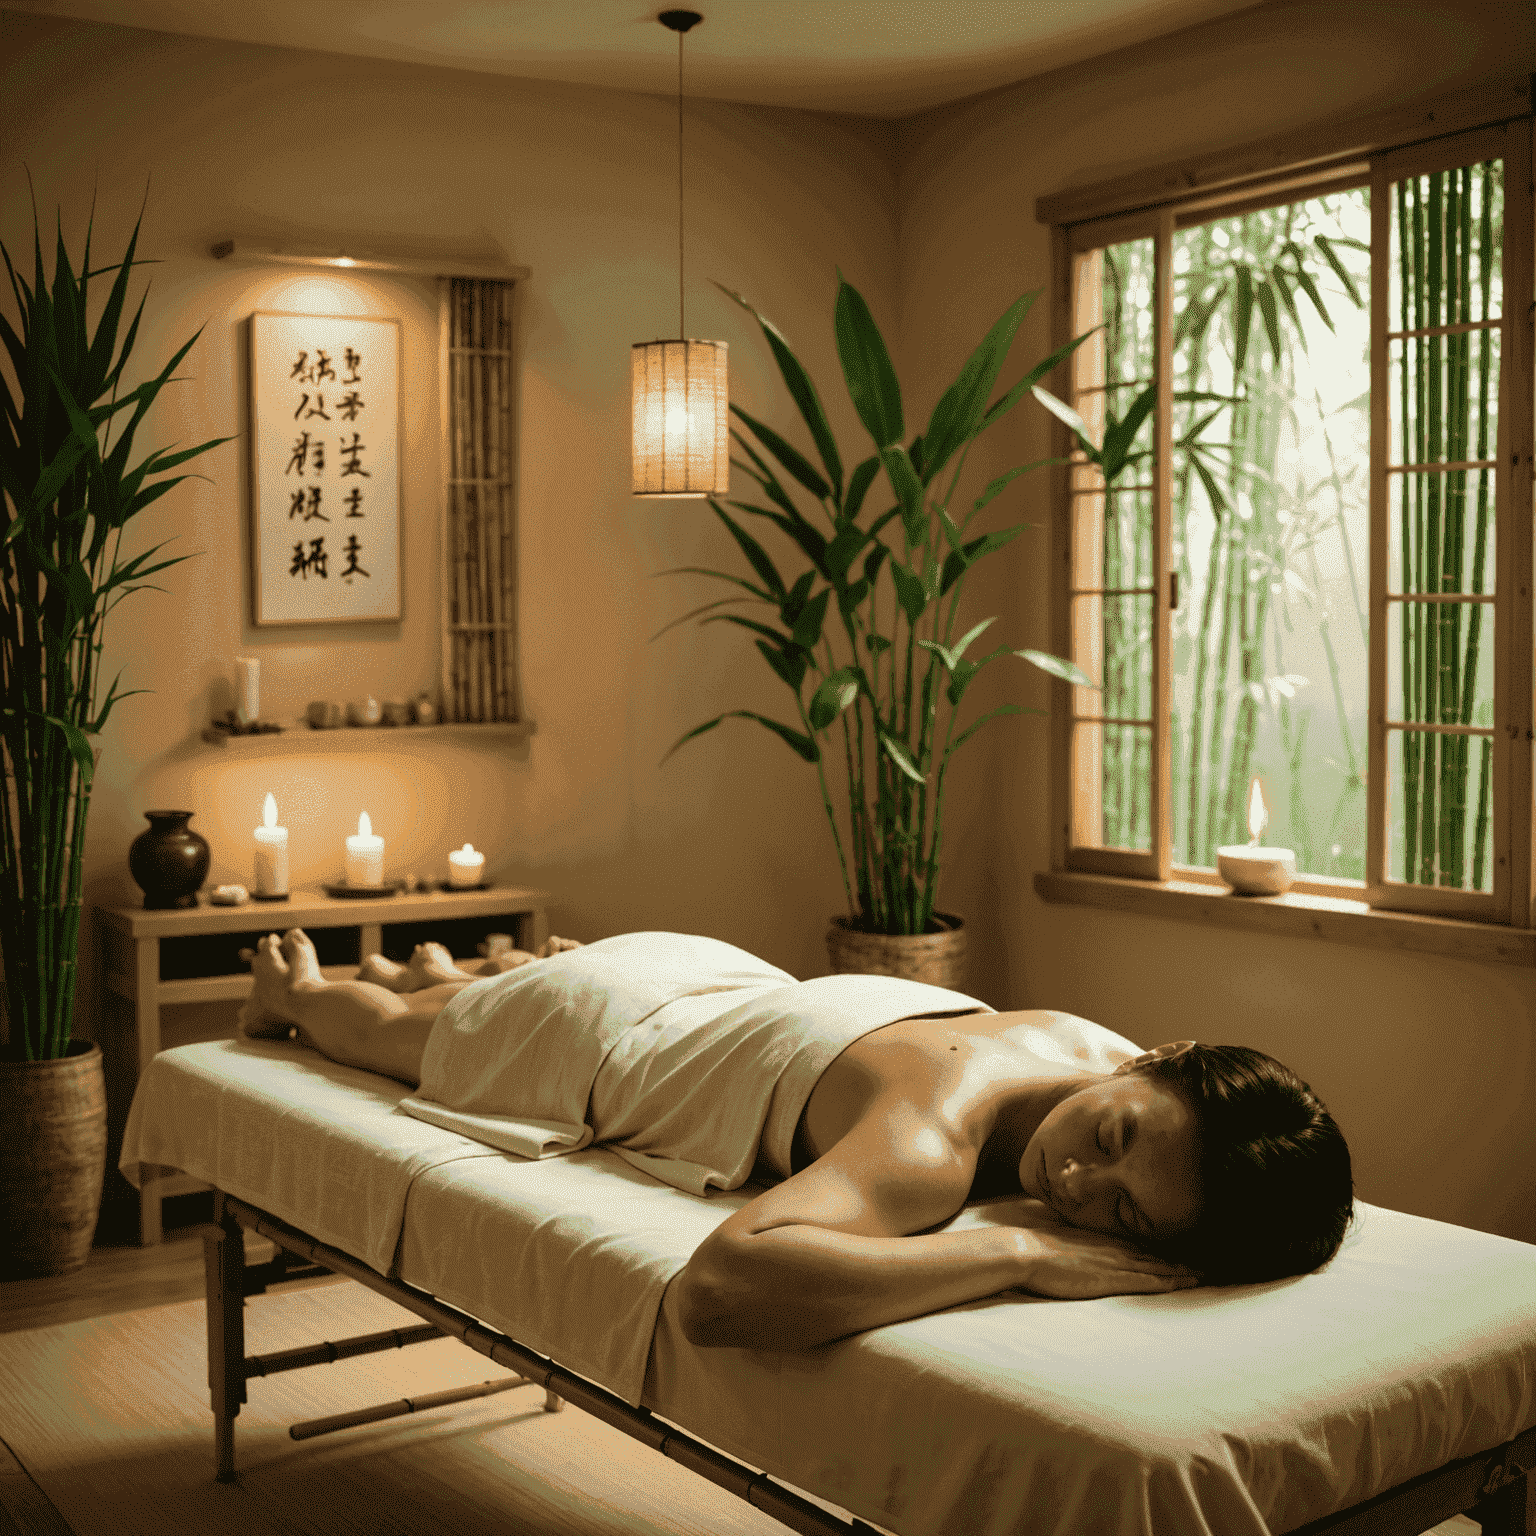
(681, 420)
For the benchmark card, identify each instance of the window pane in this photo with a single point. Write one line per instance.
(1113, 543)
(1445, 398)
(1111, 786)
(1440, 662)
(1446, 258)
(1440, 810)
(1112, 643)
(1271, 530)
(1440, 531)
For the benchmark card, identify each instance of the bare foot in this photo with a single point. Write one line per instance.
(431, 965)
(303, 962)
(503, 960)
(556, 946)
(382, 973)
(264, 1014)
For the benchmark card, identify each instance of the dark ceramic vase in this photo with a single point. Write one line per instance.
(170, 860)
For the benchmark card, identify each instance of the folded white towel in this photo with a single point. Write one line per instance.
(685, 1055)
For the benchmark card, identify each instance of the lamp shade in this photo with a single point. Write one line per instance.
(681, 418)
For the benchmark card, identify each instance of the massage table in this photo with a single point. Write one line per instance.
(1377, 1397)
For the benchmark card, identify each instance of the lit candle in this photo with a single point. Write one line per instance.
(1252, 870)
(466, 867)
(271, 853)
(365, 855)
(247, 689)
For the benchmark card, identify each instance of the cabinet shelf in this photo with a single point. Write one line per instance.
(300, 735)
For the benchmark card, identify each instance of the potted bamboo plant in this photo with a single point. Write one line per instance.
(69, 492)
(868, 639)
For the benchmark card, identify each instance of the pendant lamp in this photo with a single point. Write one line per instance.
(681, 417)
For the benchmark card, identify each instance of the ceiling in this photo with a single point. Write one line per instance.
(879, 58)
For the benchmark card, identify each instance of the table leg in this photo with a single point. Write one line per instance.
(224, 1274)
(147, 1027)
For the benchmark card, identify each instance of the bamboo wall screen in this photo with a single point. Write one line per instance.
(479, 642)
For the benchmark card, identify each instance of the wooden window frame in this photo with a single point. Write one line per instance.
(1360, 155)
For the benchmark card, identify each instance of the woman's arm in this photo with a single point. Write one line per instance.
(828, 1253)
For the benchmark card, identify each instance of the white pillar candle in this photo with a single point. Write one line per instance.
(271, 853)
(466, 867)
(247, 688)
(365, 855)
(1250, 868)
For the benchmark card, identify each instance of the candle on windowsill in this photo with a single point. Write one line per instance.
(1250, 869)
(365, 855)
(271, 853)
(466, 867)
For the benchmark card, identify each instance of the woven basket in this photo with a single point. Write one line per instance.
(936, 958)
(53, 1157)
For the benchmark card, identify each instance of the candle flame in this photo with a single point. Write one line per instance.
(1258, 813)
(364, 826)
(269, 812)
(468, 848)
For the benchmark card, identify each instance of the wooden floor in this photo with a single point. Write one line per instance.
(118, 1277)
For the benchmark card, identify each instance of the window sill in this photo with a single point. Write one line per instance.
(1297, 914)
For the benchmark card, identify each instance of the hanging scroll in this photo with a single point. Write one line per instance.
(325, 469)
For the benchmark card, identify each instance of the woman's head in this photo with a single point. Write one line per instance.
(1213, 1156)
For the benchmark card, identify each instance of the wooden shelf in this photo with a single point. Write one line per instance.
(300, 735)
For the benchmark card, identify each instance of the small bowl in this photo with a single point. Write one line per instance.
(364, 712)
(323, 715)
(1252, 871)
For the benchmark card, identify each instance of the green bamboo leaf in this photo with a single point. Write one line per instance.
(794, 527)
(765, 477)
(1264, 297)
(1340, 271)
(1000, 407)
(951, 532)
(757, 556)
(943, 652)
(1119, 435)
(858, 485)
(873, 559)
(899, 755)
(838, 690)
(957, 417)
(909, 591)
(789, 665)
(956, 565)
(787, 454)
(1280, 281)
(794, 603)
(976, 725)
(802, 391)
(843, 549)
(1242, 320)
(909, 492)
(1058, 666)
(777, 636)
(79, 743)
(1219, 503)
(695, 612)
(850, 597)
(996, 487)
(1304, 278)
(974, 632)
(876, 644)
(1194, 317)
(700, 570)
(867, 368)
(1064, 412)
(808, 626)
(960, 679)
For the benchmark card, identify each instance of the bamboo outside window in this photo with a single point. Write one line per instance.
(479, 550)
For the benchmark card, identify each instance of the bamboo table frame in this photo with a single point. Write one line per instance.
(1489, 1487)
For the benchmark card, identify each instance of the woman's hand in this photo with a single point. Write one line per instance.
(1072, 1264)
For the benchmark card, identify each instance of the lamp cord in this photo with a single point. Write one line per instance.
(682, 329)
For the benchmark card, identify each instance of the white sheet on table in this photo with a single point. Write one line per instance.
(1211, 1413)
(682, 1054)
(281, 1126)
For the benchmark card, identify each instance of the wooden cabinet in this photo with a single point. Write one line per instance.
(154, 960)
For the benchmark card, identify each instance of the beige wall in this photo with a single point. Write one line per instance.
(1429, 1065)
(580, 186)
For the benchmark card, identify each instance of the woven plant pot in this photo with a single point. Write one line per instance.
(53, 1158)
(937, 958)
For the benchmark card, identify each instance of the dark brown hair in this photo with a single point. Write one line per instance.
(1277, 1188)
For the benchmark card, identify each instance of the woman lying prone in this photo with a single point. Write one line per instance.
(1184, 1164)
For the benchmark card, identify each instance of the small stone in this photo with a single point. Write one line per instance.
(229, 896)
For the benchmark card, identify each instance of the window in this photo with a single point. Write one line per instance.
(1310, 564)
